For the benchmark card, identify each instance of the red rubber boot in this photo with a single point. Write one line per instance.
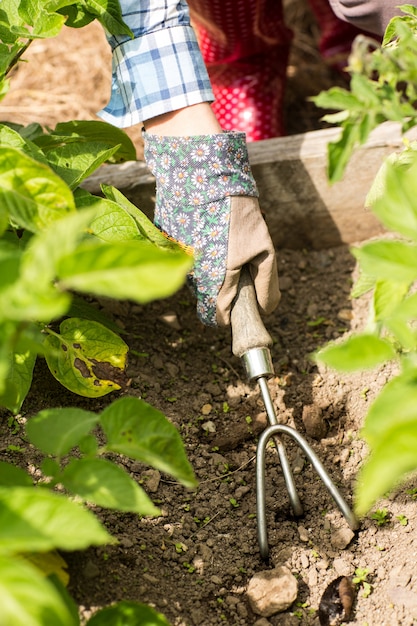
(245, 46)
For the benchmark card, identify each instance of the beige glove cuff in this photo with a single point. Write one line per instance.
(249, 244)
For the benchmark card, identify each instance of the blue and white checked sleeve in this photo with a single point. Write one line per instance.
(161, 69)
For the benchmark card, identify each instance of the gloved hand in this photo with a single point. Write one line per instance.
(206, 198)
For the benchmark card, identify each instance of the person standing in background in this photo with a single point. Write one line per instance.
(245, 45)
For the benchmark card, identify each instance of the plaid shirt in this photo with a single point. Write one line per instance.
(161, 69)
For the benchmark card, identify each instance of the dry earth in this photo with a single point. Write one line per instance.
(195, 561)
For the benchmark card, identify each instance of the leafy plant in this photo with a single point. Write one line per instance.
(403, 519)
(383, 87)
(360, 579)
(58, 244)
(381, 516)
(387, 266)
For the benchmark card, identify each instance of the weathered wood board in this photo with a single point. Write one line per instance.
(301, 208)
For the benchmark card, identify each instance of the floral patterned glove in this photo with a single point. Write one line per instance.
(206, 199)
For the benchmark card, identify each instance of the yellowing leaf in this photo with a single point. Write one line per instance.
(87, 358)
(49, 563)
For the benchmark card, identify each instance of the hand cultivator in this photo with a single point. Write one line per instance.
(251, 342)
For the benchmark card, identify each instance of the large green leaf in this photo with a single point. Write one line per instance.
(112, 222)
(388, 260)
(82, 12)
(13, 476)
(146, 227)
(42, 23)
(356, 353)
(395, 405)
(393, 456)
(32, 193)
(34, 519)
(109, 13)
(74, 162)
(45, 249)
(8, 331)
(10, 256)
(127, 613)
(106, 484)
(87, 357)
(135, 270)
(19, 378)
(58, 431)
(393, 195)
(337, 98)
(14, 139)
(30, 599)
(34, 295)
(94, 131)
(340, 151)
(388, 295)
(136, 429)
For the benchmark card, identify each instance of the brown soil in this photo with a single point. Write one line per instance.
(194, 562)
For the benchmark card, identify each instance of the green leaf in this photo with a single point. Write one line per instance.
(394, 455)
(365, 91)
(58, 431)
(74, 162)
(86, 357)
(34, 519)
(30, 599)
(395, 405)
(388, 295)
(46, 248)
(133, 270)
(388, 260)
(136, 429)
(42, 23)
(393, 195)
(32, 193)
(337, 98)
(8, 331)
(35, 295)
(340, 151)
(104, 483)
(356, 353)
(10, 257)
(402, 332)
(127, 613)
(144, 224)
(109, 14)
(13, 476)
(19, 378)
(76, 15)
(363, 284)
(112, 222)
(93, 131)
(14, 139)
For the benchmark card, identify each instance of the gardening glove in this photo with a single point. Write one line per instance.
(206, 199)
(245, 46)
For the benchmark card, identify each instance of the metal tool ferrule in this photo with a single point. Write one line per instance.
(257, 363)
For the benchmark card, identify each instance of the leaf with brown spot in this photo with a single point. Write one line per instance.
(87, 358)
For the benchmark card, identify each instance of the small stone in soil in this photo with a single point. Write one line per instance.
(272, 591)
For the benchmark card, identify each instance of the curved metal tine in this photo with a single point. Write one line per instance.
(260, 494)
(297, 507)
(318, 466)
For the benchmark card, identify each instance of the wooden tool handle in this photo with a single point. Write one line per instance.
(248, 330)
